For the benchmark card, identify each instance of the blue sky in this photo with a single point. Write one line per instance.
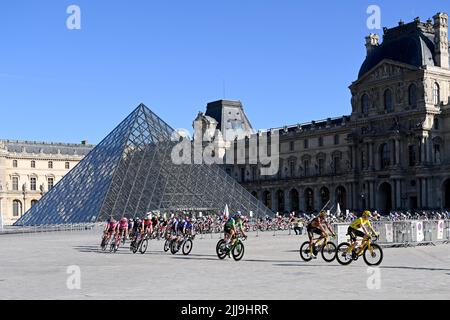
(288, 61)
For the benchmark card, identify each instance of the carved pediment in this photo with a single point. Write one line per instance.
(386, 69)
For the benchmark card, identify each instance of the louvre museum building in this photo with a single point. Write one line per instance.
(393, 150)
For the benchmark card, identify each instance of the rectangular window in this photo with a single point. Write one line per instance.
(14, 163)
(306, 144)
(337, 165)
(336, 139)
(255, 173)
(51, 182)
(15, 184)
(306, 168)
(291, 146)
(321, 166)
(292, 168)
(67, 165)
(33, 164)
(320, 141)
(33, 184)
(50, 164)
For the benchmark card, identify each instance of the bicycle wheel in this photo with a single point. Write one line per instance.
(144, 246)
(112, 246)
(136, 246)
(373, 256)
(116, 246)
(173, 247)
(167, 245)
(329, 252)
(238, 250)
(343, 255)
(221, 250)
(305, 252)
(187, 247)
(104, 244)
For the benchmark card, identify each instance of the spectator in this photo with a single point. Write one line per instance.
(299, 227)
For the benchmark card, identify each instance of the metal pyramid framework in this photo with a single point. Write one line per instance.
(131, 173)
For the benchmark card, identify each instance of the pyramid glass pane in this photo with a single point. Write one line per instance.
(131, 173)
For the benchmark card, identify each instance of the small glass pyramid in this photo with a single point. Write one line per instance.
(131, 173)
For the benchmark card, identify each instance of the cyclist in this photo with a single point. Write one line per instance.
(110, 228)
(147, 226)
(123, 228)
(231, 227)
(360, 223)
(181, 229)
(189, 227)
(316, 226)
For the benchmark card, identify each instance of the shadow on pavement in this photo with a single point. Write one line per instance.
(414, 268)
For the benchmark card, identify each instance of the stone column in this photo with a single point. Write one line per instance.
(371, 195)
(430, 150)
(391, 144)
(301, 199)
(273, 194)
(422, 151)
(398, 186)
(316, 197)
(423, 191)
(397, 152)
(287, 200)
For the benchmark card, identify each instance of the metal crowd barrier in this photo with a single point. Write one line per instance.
(404, 233)
(48, 228)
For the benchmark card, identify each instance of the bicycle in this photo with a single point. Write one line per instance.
(114, 246)
(368, 249)
(324, 246)
(105, 241)
(185, 244)
(237, 248)
(140, 244)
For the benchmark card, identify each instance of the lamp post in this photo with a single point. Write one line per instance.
(24, 192)
(363, 202)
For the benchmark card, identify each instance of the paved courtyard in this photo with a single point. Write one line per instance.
(34, 266)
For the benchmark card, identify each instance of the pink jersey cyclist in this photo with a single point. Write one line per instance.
(111, 226)
(123, 224)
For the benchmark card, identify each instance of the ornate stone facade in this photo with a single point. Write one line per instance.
(29, 169)
(392, 152)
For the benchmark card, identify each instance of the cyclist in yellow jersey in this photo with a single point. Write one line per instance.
(360, 223)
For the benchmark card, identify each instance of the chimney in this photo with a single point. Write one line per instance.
(372, 41)
(441, 39)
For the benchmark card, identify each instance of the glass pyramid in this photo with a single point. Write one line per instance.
(131, 173)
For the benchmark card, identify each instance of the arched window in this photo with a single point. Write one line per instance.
(385, 154)
(412, 95)
(436, 94)
(17, 208)
(388, 100)
(365, 104)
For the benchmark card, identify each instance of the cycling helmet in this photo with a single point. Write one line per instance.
(366, 214)
(322, 214)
